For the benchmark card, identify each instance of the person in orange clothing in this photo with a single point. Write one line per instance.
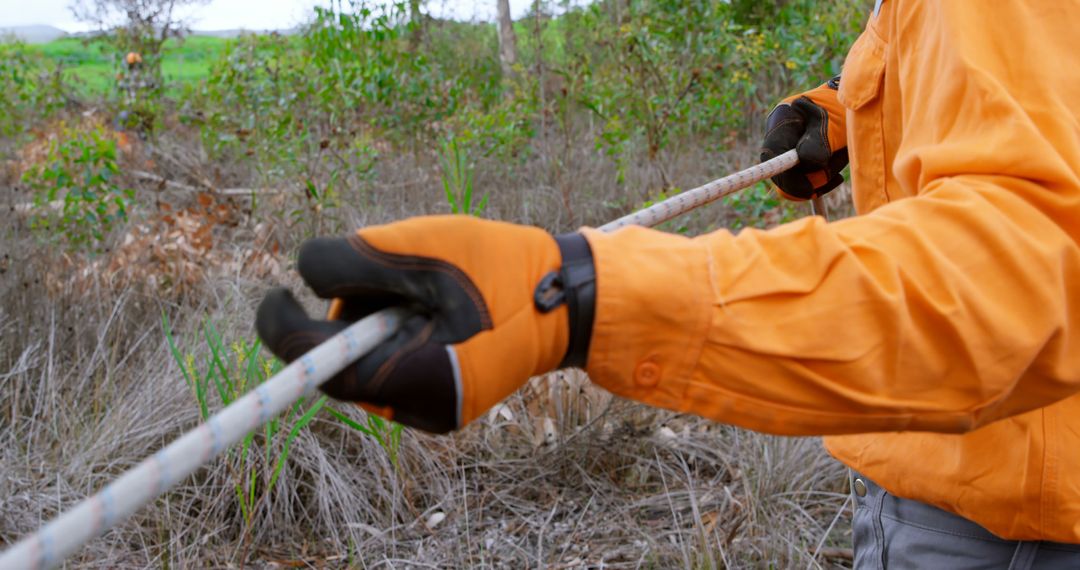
(935, 337)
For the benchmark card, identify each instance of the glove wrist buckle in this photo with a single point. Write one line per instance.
(575, 285)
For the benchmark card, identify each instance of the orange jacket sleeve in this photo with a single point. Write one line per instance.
(954, 304)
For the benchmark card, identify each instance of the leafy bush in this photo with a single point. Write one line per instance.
(76, 196)
(350, 70)
(354, 76)
(759, 207)
(650, 72)
(670, 69)
(364, 67)
(31, 89)
(253, 103)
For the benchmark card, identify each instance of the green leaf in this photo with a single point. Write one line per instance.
(213, 340)
(351, 423)
(295, 431)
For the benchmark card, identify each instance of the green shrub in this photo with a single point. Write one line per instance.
(254, 104)
(31, 89)
(658, 71)
(353, 76)
(760, 207)
(76, 196)
(640, 74)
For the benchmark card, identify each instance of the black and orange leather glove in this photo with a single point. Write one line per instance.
(813, 123)
(490, 305)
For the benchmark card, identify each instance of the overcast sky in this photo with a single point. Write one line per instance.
(247, 14)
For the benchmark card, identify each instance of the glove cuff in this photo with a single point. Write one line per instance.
(574, 284)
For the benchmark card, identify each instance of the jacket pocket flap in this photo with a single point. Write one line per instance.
(864, 68)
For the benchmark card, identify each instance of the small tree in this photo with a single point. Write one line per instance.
(417, 24)
(141, 27)
(507, 41)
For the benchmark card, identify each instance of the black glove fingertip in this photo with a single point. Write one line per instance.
(274, 315)
(328, 265)
(285, 327)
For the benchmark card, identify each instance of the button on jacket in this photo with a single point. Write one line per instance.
(946, 316)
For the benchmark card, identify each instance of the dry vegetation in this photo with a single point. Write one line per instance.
(562, 476)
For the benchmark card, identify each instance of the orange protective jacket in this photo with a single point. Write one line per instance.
(946, 317)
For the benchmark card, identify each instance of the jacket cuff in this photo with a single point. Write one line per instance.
(652, 313)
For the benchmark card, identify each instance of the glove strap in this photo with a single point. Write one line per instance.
(575, 285)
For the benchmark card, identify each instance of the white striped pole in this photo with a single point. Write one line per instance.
(678, 205)
(50, 545)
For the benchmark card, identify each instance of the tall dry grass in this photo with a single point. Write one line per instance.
(561, 476)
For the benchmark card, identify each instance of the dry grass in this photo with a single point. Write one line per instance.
(563, 476)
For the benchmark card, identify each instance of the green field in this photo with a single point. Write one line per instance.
(93, 65)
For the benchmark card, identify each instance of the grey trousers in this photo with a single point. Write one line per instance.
(893, 533)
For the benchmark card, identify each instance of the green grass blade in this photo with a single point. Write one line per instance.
(243, 503)
(175, 351)
(252, 371)
(211, 374)
(376, 424)
(350, 422)
(200, 394)
(213, 340)
(299, 425)
(394, 443)
(251, 478)
(245, 446)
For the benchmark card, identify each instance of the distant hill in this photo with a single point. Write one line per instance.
(39, 34)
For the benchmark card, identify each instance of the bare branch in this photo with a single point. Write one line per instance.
(146, 24)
